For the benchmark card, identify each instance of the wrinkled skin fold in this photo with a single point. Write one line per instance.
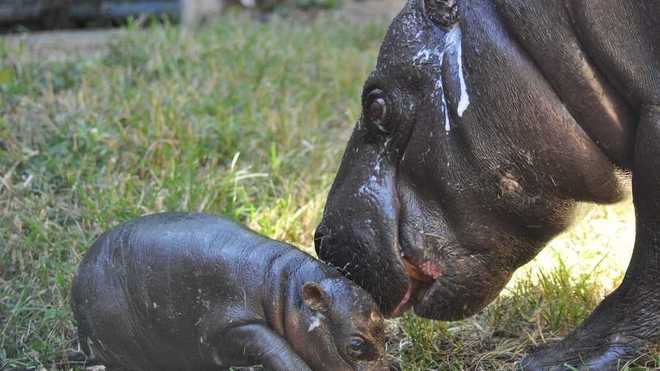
(484, 123)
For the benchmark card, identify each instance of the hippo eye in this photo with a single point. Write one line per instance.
(375, 109)
(357, 344)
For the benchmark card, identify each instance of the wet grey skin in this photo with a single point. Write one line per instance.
(178, 291)
(484, 123)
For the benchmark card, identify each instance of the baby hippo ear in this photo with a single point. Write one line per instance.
(315, 297)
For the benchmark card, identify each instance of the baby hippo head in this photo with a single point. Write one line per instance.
(344, 324)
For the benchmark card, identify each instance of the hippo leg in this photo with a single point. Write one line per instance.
(627, 320)
(257, 344)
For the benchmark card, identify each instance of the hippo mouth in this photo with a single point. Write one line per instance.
(421, 277)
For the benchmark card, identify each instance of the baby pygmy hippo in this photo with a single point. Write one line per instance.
(178, 291)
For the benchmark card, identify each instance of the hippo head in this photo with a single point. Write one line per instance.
(342, 318)
(461, 167)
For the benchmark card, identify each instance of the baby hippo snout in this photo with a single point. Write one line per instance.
(179, 291)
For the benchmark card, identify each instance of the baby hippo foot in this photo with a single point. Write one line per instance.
(615, 333)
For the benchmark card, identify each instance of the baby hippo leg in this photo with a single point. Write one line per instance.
(253, 344)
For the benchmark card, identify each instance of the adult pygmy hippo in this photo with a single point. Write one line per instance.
(483, 125)
(179, 291)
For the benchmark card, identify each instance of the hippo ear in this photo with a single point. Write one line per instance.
(444, 13)
(315, 297)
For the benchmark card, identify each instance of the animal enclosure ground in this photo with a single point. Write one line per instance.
(242, 119)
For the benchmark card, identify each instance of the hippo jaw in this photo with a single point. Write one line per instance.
(439, 197)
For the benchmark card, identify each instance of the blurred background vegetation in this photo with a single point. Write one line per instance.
(246, 119)
(21, 15)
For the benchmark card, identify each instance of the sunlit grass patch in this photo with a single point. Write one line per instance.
(243, 119)
(599, 244)
(537, 309)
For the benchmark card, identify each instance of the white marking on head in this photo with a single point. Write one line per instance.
(443, 101)
(316, 322)
(426, 55)
(456, 42)
(452, 42)
(422, 56)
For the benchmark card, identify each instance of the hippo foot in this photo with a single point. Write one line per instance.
(573, 354)
(615, 333)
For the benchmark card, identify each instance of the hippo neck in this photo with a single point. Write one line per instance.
(560, 51)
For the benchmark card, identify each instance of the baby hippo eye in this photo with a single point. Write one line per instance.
(361, 350)
(376, 109)
(357, 344)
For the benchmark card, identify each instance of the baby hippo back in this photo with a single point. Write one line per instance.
(144, 291)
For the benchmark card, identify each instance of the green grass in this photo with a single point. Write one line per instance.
(242, 119)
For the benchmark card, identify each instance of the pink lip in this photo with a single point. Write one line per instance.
(405, 303)
(420, 279)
